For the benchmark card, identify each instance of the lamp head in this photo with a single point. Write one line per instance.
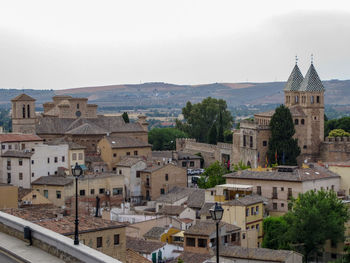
(77, 170)
(216, 212)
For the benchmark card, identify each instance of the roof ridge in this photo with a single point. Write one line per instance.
(312, 81)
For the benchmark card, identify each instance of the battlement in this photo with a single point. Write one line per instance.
(337, 139)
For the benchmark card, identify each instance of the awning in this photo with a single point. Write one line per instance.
(178, 234)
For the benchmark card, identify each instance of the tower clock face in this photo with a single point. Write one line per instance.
(78, 113)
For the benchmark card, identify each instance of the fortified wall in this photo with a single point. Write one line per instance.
(335, 149)
(221, 152)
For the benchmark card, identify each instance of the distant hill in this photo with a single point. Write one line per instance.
(159, 94)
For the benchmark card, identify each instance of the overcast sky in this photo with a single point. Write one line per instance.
(78, 43)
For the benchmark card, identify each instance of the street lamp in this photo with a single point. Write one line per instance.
(216, 213)
(77, 171)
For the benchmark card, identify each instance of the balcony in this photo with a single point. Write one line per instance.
(274, 196)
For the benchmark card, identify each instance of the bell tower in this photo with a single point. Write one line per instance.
(23, 114)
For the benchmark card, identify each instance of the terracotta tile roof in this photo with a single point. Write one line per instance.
(17, 154)
(128, 161)
(205, 209)
(22, 192)
(154, 233)
(196, 199)
(71, 145)
(153, 168)
(36, 213)
(186, 220)
(208, 227)
(87, 129)
(66, 226)
(16, 137)
(174, 210)
(246, 200)
(23, 97)
(53, 180)
(134, 257)
(143, 246)
(295, 110)
(189, 257)
(184, 155)
(298, 175)
(125, 142)
(262, 254)
(176, 193)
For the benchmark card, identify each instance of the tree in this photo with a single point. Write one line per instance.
(281, 143)
(212, 136)
(316, 217)
(221, 129)
(342, 123)
(200, 117)
(213, 175)
(228, 136)
(273, 227)
(126, 117)
(338, 133)
(164, 138)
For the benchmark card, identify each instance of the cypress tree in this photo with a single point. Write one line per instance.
(126, 117)
(281, 141)
(221, 137)
(213, 135)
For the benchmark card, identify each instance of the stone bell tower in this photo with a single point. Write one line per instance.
(23, 114)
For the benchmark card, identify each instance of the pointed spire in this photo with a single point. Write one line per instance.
(295, 78)
(312, 81)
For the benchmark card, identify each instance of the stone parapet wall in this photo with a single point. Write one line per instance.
(51, 242)
(335, 149)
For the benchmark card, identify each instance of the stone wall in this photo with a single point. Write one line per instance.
(335, 149)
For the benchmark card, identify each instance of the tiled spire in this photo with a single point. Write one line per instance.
(312, 81)
(294, 80)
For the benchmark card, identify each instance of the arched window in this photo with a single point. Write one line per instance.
(318, 99)
(24, 111)
(296, 99)
(302, 121)
(28, 111)
(312, 99)
(296, 121)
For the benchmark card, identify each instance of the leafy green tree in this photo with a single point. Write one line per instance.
(281, 142)
(338, 133)
(273, 227)
(221, 129)
(342, 123)
(212, 136)
(164, 138)
(240, 166)
(316, 217)
(200, 117)
(228, 136)
(213, 175)
(5, 120)
(180, 261)
(126, 117)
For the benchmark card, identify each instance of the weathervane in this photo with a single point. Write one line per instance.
(296, 59)
(312, 58)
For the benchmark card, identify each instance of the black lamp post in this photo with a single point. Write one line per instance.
(77, 171)
(216, 213)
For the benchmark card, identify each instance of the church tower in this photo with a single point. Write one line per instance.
(23, 114)
(312, 102)
(291, 90)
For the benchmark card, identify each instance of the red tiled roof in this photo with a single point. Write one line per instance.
(13, 137)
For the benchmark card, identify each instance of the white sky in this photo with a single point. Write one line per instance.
(65, 44)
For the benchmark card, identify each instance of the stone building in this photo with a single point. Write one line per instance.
(74, 119)
(304, 96)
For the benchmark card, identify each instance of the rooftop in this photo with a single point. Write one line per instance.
(17, 154)
(17, 137)
(208, 227)
(246, 200)
(143, 246)
(176, 193)
(189, 257)
(196, 199)
(173, 210)
(23, 97)
(128, 161)
(53, 180)
(298, 175)
(71, 145)
(125, 142)
(154, 233)
(36, 213)
(205, 209)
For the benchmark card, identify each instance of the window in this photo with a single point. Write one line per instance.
(192, 163)
(8, 178)
(24, 111)
(80, 156)
(290, 193)
(282, 189)
(332, 187)
(282, 204)
(34, 196)
(32, 174)
(20, 162)
(3, 146)
(243, 236)
(184, 164)
(265, 143)
(202, 242)
(20, 176)
(296, 121)
(74, 156)
(190, 242)
(212, 192)
(233, 237)
(253, 226)
(114, 169)
(166, 177)
(58, 194)
(302, 122)
(244, 141)
(116, 239)
(252, 210)
(48, 160)
(162, 191)
(120, 171)
(247, 212)
(114, 155)
(296, 99)
(274, 192)
(101, 190)
(274, 206)
(82, 192)
(46, 193)
(318, 99)
(135, 153)
(99, 242)
(312, 99)
(304, 147)
(92, 191)
(9, 162)
(251, 141)
(257, 210)
(77, 105)
(28, 111)
(117, 191)
(127, 153)
(138, 174)
(32, 161)
(56, 159)
(63, 159)
(10, 147)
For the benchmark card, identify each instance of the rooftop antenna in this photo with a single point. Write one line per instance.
(296, 59)
(312, 58)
